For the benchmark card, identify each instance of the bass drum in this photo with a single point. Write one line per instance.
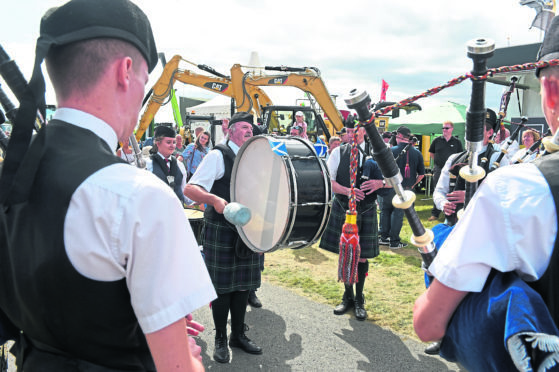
(287, 188)
(196, 219)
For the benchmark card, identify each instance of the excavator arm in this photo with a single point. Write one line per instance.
(306, 79)
(161, 90)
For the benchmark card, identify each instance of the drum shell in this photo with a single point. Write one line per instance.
(310, 191)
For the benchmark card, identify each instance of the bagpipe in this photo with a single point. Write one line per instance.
(534, 149)
(479, 50)
(404, 199)
(507, 310)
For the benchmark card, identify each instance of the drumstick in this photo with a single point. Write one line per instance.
(237, 214)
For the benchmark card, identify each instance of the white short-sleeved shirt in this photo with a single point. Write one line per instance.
(109, 234)
(212, 168)
(510, 225)
(334, 160)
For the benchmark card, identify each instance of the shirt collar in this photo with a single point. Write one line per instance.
(87, 121)
(233, 146)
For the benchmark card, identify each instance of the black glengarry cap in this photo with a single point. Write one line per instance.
(164, 131)
(80, 20)
(241, 116)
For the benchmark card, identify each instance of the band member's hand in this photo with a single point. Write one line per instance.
(219, 205)
(449, 208)
(195, 350)
(359, 195)
(193, 328)
(371, 186)
(456, 196)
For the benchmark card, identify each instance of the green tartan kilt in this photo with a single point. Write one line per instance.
(366, 222)
(228, 271)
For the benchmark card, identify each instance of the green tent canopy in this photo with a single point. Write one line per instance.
(428, 122)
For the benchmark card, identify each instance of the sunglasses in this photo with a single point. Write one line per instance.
(447, 128)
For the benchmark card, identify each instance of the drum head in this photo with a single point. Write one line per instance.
(260, 181)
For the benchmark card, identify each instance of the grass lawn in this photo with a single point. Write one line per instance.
(395, 277)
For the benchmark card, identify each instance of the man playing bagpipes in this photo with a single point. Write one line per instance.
(493, 301)
(339, 166)
(449, 191)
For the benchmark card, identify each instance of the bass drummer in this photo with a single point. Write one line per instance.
(339, 164)
(233, 268)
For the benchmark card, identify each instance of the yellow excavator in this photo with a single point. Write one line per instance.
(245, 89)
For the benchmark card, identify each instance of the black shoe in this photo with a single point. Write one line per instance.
(243, 342)
(345, 306)
(383, 241)
(253, 300)
(221, 351)
(433, 349)
(360, 312)
(398, 246)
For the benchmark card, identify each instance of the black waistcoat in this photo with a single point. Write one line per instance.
(343, 177)
(222, 187)
(548, 285)
(58, 309)
(161, 170)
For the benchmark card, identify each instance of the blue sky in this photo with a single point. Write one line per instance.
(413, 45)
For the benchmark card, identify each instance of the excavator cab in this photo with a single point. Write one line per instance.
(279, 120)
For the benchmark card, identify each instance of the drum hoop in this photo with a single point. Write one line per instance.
(232, 193)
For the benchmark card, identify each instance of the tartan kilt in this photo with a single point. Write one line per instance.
(366, 222)
(228, 271)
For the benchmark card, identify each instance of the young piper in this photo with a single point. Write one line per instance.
(106, 282)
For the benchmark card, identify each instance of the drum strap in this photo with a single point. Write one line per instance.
(222, 186)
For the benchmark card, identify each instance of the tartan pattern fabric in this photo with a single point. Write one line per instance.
(366, 221)
(228, 272)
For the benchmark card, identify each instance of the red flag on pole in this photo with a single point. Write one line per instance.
(383, 90)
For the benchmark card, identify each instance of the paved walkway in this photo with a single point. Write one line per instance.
(300, 335)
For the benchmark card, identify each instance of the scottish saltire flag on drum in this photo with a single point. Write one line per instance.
(277, 146)
(320, 147)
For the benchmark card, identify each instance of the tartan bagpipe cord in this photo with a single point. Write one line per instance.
(350, 251)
